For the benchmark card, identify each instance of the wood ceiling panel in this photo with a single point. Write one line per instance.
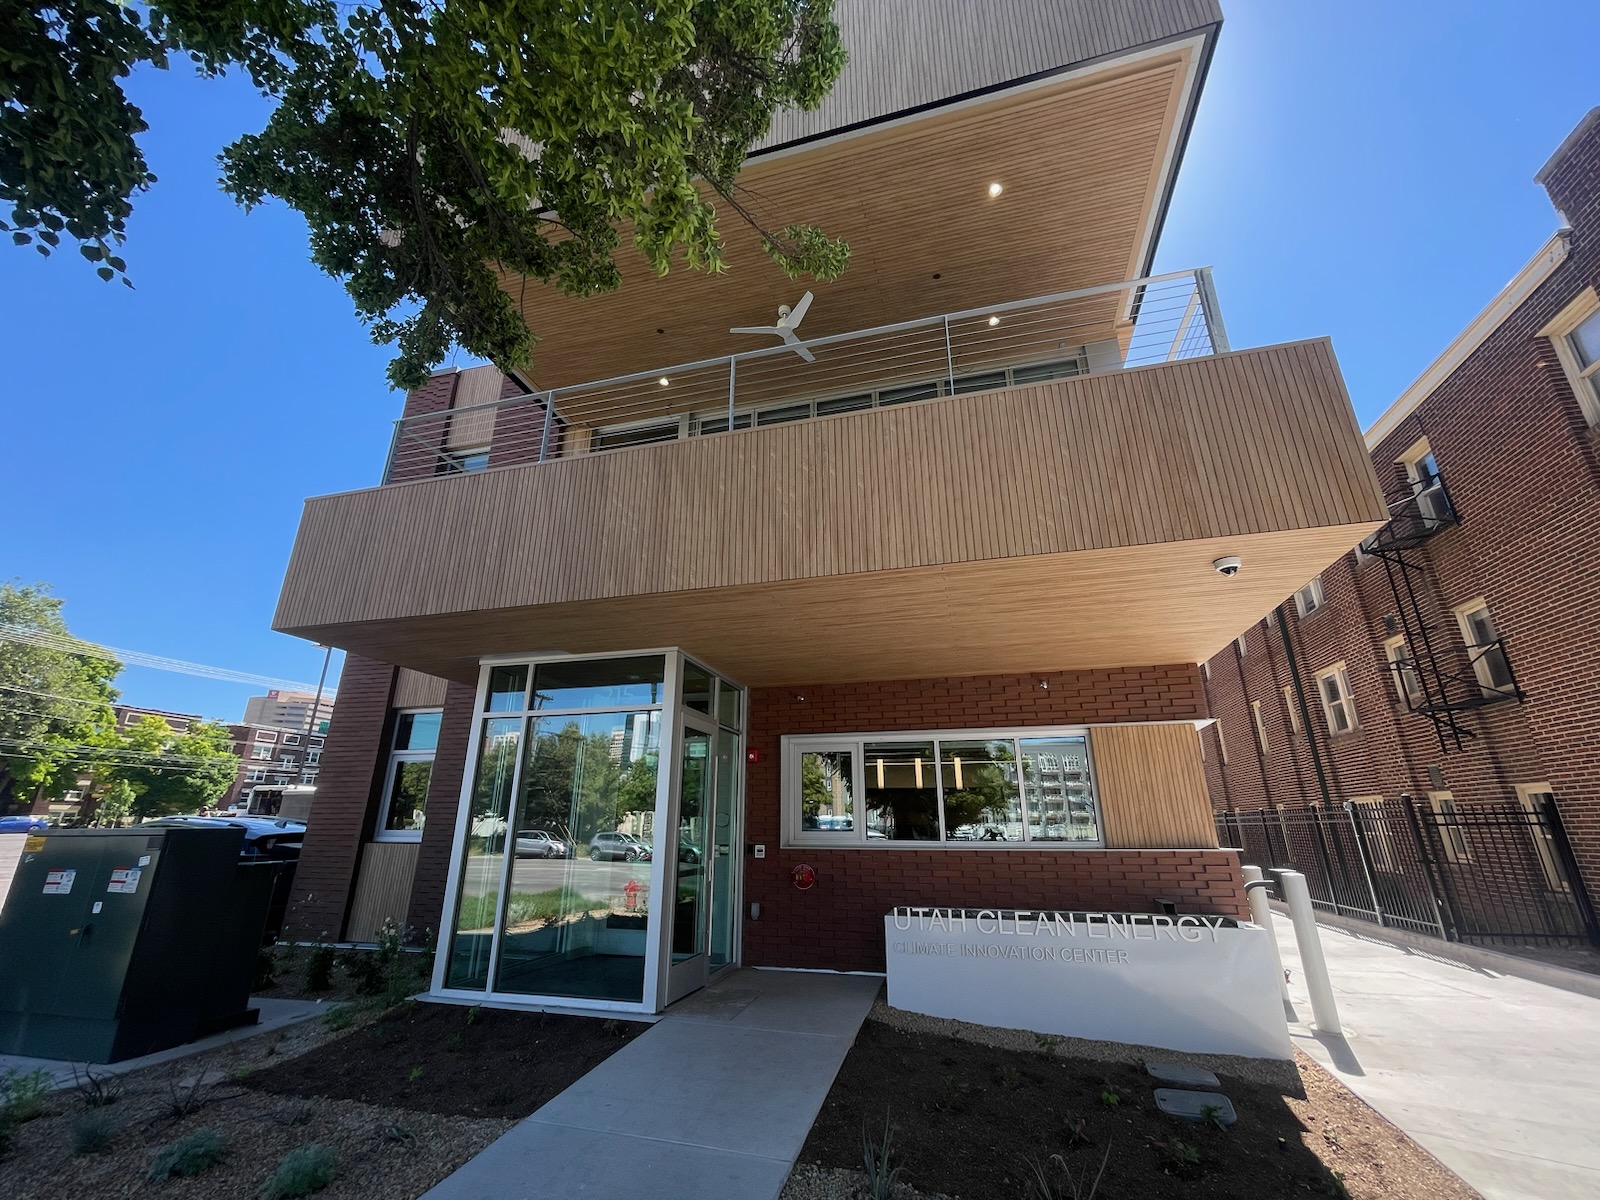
(1081, 163)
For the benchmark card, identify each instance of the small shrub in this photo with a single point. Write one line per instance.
(189, 1155)
(319, 969)
(415, 1074)
(185, 1098)
(97, 1091)
(1333, 1183)
(1109, 1096)
(340, 1018)
(266, 970)
(1211, 1114)
(22, 1096)
(1009, 1075)
(240, 1074)
(474, 1013)
(430, 943)
(876, 1154)
(1054, 1178)
(365, 970)
(611, 1026)
(303, 1170)
(94, 1132)
(1181, 1153)
(1047, 1043)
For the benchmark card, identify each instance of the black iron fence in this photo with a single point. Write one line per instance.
(1501, 871)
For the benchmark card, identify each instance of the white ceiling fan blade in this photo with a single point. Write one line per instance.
(798, 312)
(755, 329)
(793, 343)
(804, 353)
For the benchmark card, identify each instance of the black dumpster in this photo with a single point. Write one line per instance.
(116, 943)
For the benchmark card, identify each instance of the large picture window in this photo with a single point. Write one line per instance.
(988, 788)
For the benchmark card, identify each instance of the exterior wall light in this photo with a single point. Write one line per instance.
(663, 381)
(995, 189)
(993, 321)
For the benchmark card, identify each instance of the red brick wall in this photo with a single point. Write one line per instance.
(352, 760)
(838, 923)
(1520, 463)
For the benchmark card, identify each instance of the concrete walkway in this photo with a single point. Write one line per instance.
(1498, 1077)
(714, 1100)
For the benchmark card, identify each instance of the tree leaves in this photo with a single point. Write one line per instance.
(434, 148)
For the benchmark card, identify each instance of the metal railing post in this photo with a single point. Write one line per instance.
(949, 357)
(1208, 299)
(1361, 853)
(394, 448)
(732, 370)
(549, 417)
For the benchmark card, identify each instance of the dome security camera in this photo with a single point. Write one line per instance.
(1228, 565)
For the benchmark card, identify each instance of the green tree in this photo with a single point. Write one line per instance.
(114, 805)
(176, 772)
(55, 705)
(433, 147)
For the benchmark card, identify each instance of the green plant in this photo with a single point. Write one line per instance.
(303, 1170)
(953, 1094)
(401, 1135)
(1054, 1179)
(1333, 1183)
(1181, 1153)
(97, 1091)
(430, 943)
(188, 1155)
(240, 1074)
(340, 1018)
(22, 1095)
(611, 1026)
(1110, 1096)
(416, 1074)
(1009, 1075)
(319, 968)
(474, 1013)
(876, 1156)
(94, 1131)
(266, 970)
(1047, 1043)
(1211, 1114)
(364, 968)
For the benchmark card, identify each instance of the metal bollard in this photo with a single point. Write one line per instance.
(1323, 1009)
(1261, 914)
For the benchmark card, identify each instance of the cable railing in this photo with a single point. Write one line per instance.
(1140, 322)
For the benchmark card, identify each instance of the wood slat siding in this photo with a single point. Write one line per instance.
(413, 689)
(907, 54)
(383, 888)
(1152, 787)
(1252, 442)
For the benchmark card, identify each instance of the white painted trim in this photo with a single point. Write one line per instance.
(1539, 268)
(1585, 383)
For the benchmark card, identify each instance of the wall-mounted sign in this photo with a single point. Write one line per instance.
(804, 877)
(1194, 982)
(59, 882)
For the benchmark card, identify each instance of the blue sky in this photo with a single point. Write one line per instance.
(1361, 170)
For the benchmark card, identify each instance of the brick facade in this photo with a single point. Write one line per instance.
(838, 923)
(1520, 461)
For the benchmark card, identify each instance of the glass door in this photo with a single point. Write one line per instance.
(690, 847)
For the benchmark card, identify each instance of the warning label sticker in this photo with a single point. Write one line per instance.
(59, 882)
(124, 881)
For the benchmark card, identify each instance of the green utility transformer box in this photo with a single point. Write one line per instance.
(117, 943)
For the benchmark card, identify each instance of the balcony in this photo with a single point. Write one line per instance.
(1033, 485)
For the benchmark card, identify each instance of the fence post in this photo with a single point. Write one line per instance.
(949, 357)
(1317, 815)
(1324, 1009)
(1213, 311)
(1430, 871)
(549, 417)
(733, 364)
(1569, 863)
(394, 447)
(1361, 853)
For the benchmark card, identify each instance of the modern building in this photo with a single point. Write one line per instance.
(290, 710)
(906, 614)
(1440, 680)
(131, 714)
(273, 757)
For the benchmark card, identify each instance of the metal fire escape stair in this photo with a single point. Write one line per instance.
(1423, 510)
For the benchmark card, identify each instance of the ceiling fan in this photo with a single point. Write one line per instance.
(788, 321)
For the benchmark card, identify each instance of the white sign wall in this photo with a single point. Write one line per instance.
(1203, 984)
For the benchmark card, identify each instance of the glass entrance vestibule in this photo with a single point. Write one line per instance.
(597, 845)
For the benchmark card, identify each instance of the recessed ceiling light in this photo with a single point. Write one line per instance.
(993, 321)
(663, 381)
(995, 189)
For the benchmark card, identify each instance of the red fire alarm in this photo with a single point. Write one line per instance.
(803, 877)
(752, 756)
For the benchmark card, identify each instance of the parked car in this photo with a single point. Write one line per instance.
(536, 843)
(263, 838)
(689, 852)
(23, 824)
(613, 846)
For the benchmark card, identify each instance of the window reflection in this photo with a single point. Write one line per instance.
(827, 790)
(484, 862)
(981, 801)
(1055, 772)
(901, 791)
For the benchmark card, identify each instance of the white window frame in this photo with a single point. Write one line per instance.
(282, 781)
(1222, 742)
(1205, 671)
(380, 831)
(1433, 505)
(792, 746)
(1409, 696)
(1451, 838)
(1241, 646)
(1261, 727)
(1543, 844)
(1310, 598)
(288, 762)
(307, 778)
(261, 753)
(1340, 673)
(1291, 709)
(291, 739)
(1585, 382)
(1480, 662)
(255, 775)
(313, 757)
(1364, 547)
(316, 742)
(266, 735)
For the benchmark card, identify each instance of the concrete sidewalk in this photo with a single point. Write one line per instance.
(1498, 1077)
(715, 1099)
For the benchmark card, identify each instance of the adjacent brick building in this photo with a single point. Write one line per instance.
(1452, 659)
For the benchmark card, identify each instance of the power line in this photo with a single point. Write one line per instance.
(10, 687)
(112, 754)
(48, 640)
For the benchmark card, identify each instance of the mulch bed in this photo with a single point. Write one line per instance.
(968, 1118)
(456, 1061)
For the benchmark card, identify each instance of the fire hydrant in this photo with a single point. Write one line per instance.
(630, 894)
